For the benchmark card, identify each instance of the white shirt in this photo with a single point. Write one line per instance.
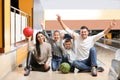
(71, 54)
(83, 45)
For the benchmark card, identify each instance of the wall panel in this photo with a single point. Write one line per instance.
(1, 43)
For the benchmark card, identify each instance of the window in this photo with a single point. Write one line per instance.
(18, 23)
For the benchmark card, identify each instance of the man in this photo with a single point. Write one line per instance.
(85, 47)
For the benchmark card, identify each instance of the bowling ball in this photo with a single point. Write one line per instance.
(64, 67)
(28, 31)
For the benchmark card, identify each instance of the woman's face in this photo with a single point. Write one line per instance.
(56, 36)
(40, 37)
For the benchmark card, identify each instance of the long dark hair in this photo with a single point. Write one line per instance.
(38, 44)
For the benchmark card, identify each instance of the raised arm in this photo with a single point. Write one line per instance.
(61, 41)
(100, 35)
(112, 23)
(64, 26)
(44, 32)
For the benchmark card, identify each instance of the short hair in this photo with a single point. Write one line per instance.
(67, 40)
(84, 27)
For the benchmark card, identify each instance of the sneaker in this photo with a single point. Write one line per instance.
(100, 69)
(94, 71)
(76, 70)
(27, 72)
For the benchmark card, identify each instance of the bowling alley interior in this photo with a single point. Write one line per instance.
(16, 15)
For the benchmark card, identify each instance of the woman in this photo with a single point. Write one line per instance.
(57, 53)
(39, 59)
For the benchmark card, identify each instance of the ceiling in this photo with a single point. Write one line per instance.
(80, 4)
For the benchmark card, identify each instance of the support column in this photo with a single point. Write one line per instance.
(1, 26)
(7, 25)
(4, 26)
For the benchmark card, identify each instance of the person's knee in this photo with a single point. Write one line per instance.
(93, 49)
(47, 69)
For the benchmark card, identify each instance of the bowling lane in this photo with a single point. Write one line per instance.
(104, 55)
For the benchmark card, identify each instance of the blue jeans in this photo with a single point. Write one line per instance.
(56, 63)
(66, 59)
(86, 65)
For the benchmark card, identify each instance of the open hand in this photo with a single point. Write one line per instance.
(112, 23)
(42, 25)
(58, 17)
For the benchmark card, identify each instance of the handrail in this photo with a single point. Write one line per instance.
(107, 46)
(15, 38)
(19, 10)
(115, 41)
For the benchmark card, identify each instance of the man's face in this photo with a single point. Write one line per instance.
(84, 33)
(56, 36)
(68, 45)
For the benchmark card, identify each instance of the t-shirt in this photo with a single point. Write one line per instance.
(83, 46)
(70, 52)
